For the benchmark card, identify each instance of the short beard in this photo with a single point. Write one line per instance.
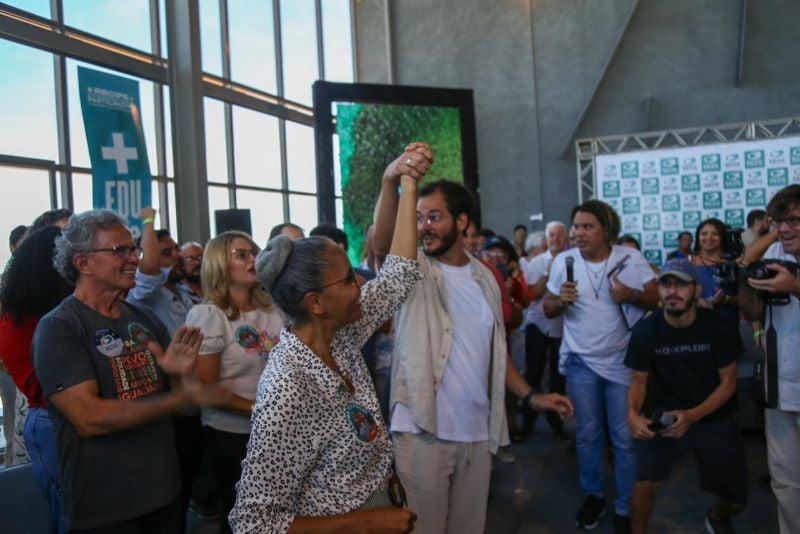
(448, 240)
(679, 313)
(192, 278)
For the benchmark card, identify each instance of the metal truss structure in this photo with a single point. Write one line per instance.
(586, 150)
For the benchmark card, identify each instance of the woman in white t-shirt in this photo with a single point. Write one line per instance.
(240, 326)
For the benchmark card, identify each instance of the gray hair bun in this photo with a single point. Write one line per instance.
(271, 261)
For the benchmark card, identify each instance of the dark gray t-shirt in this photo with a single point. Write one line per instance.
(124, 474)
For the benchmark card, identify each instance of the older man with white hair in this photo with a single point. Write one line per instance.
(543, 335)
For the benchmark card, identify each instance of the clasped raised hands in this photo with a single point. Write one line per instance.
(414, 162)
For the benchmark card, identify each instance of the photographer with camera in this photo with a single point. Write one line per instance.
(691, 354)
(779, 290)
(715, 265)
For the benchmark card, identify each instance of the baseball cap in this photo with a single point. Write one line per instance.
(680, 268)
(503, 244)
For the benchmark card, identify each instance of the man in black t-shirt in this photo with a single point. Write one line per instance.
(691, 355)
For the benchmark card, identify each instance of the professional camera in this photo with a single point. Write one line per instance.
(727, 271)
(758, 271)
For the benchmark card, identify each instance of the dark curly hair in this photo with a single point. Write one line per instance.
(605, 214)
(31, 286)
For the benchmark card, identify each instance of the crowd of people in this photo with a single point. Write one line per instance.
(290, 391)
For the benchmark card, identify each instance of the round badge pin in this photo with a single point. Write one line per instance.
(362, 422)
(108, 343)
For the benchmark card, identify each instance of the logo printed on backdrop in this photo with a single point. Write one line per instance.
(631, 223)
(631, 205)
(755, 179)
(610, 171)
(734, 218)
(733, 161)
(630, 188)
(651, 240)
(611, 189)
(795, 175)
(690, 182)
(795, 155)
(653, 257)
(630, 169)
(671, 203)
(734, 199)
(649, 168)
(710, 162)
(712, 199)
(777, 157)
(691, 219)
(713, 215)
(651, 221)
(671, 239)
(733, 180)
(756, 198)
(753, 159)
(691, 201)
(689, 164)
(650, 204)
(670, 184)
(672, 221)
(614, 203)
(778, 177)
(669, 166)
(649, 186)
(711, 181)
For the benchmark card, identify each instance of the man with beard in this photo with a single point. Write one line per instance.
(757, 226)
(692, 359)
(450, 364)
(192, 256)
(782, 421)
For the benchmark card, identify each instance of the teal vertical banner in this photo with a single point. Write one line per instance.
(121, 179)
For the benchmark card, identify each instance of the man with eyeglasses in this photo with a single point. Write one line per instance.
(782, 422)
(690, 356)
(192, 285)
(450, 363)
(112, 376)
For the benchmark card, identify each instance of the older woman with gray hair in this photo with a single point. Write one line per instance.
(319, 457)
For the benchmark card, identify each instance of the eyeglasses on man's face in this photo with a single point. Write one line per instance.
(431, 218)
(120, 251)
(792, 221)
(193, 259)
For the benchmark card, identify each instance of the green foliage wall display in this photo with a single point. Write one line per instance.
(371, 136)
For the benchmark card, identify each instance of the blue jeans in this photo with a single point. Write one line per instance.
(594, 398)
(41, 442)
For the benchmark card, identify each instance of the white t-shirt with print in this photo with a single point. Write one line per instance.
(462, 396)
(244, 345)
(594, 328)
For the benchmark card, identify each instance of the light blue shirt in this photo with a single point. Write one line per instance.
(150, 294)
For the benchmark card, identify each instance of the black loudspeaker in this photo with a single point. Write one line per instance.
(233, 220)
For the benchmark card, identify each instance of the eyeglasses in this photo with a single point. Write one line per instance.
(793, 222)
(669, 283)
(193, 259)
(243, 254)
(350, 279)
(169, 251)
(121, 251)
(432, 218)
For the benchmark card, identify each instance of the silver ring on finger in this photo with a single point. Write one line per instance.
(409, 161)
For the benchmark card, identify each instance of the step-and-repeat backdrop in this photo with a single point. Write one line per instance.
(660, 193)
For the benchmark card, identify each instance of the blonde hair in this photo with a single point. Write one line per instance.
(215, 276)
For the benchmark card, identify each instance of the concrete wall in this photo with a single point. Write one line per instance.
(535, 64)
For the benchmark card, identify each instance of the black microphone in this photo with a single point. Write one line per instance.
(570, 262)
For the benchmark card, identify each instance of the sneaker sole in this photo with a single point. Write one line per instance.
(594, 525)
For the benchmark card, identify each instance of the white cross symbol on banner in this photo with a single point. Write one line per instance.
(119, 152)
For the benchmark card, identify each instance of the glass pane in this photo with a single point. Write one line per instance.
(162, 16)
(80, 150)
(298, 31)
(81, 192)
(216, 160)
(173, 211)
(37, 7)
(36, 185)
(300, 158)
(125, 22)
(266, 210)
(217, 200)
(252, 44)
(256, 149)
(27, 102)
(337, 44)
(303, 211)
(210, 40)
(337, 168)
(168, 132)
(339, 213)
(156, 203)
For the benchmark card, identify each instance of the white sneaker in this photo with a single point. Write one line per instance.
(505, 455)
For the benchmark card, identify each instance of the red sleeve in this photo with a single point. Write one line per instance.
(503, 292)
(15, 351)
